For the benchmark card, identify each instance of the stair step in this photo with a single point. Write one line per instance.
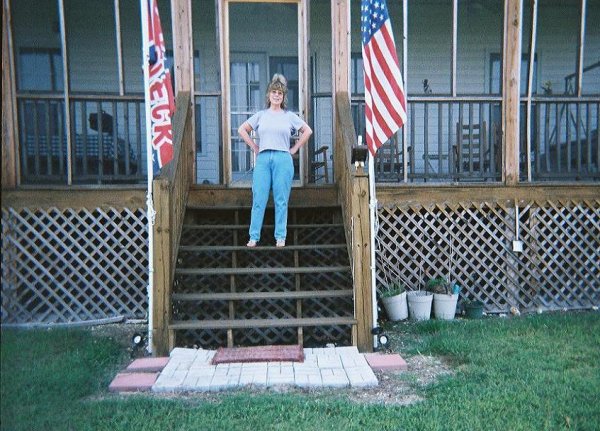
(270, 206)
(205, 248)
(229, 296)
(269, 270)
(267, 226)
(261, 323)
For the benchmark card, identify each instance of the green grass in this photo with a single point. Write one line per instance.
(537, 372)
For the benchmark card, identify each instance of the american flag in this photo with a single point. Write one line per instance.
(160, 92)
(384, 92)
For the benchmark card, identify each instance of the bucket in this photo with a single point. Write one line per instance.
(396, 307)
(444, 306)
(419, 305)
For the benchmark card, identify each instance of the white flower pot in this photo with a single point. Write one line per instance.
(419, 305)
(444, 306)
(396, 307)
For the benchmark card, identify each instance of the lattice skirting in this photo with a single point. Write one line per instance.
(471, 243)
(68, 266)
(62, 266)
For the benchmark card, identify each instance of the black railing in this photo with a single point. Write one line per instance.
(564, 139)
(105, 143)
(448, 139)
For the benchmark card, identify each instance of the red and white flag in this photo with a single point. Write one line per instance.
(385, 100)
(160, 92)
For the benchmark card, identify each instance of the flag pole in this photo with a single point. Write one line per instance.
(144, 6)
(373, 230)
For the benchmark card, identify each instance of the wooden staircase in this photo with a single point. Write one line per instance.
(226, 294)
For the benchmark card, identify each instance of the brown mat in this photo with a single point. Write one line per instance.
(294, 353)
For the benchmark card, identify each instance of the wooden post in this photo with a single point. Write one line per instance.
(511, 79)
(162, 337)
(9, 111)
(361, 261)
(183, 54)
(303, 58)
(223, 34)
(340, 65)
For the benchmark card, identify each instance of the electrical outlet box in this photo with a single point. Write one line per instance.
(517, 246)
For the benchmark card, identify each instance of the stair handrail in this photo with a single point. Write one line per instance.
(353, 195)
(170, 194)
(345, 140)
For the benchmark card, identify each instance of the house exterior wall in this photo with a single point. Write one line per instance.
(94, 68)
(91, 42)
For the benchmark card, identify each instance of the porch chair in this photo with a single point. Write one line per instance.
(319, 169)
(471, 148)
(389, 162)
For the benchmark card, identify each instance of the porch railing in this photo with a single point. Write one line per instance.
(564, 139)
(448, 139)
(170, 192)
(105, 143)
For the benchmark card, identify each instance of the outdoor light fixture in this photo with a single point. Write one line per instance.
(382, 339)
(137, 340)
(359, 155)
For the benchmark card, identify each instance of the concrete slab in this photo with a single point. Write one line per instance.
(133, 382)
(333, 367)
(386, 362)
(147, 365)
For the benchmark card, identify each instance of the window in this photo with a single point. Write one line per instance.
(288, 67)
(357, 83)
(169, 64)
(495, 84)
(40, 69)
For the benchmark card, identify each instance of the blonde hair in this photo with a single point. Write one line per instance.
(278, 82)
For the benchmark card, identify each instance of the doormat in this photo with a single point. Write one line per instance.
(293, 353)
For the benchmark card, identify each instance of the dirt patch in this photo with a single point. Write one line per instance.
(403, 387)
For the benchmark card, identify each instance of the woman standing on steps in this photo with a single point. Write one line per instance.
(274, 167)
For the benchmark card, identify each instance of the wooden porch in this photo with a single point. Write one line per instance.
(461, 230)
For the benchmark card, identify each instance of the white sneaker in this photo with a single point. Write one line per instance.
(251, 243)
(280, 243)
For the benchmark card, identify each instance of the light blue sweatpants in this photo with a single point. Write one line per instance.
(273, 169)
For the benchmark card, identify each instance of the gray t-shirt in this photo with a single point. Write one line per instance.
(274, 129)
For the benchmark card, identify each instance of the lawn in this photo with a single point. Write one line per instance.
(539, 372)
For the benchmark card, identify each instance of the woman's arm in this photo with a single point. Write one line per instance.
(305, 132)
(244, 132)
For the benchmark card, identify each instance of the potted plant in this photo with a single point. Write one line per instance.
(445, 297)
(393, 297)
(419, 303)
(473, 309)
